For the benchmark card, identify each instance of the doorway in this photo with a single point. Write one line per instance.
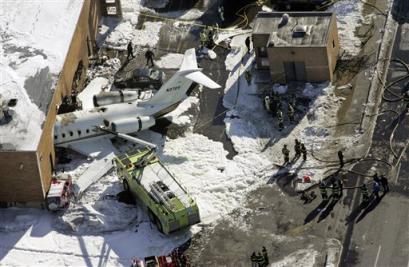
(294, 71)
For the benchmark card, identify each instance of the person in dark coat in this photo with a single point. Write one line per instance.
(265, 256)
(149, 57)
(130, 50)
(247, 42)
(384, 183)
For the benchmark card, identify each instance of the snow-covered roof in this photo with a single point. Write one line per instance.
(294, 28)
(35, 37)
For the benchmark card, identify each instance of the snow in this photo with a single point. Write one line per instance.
(349, 16)
(300, 258)
(170, 61)
(32, 47)
(179, 116)
(126, 30)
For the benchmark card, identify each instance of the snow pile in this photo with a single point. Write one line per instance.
(126, 30)
(106, 70)
(349, 16)
(180, 116)
(96, 213)
(32, 55)
(217, 184)
(300, 258)
(191, 14)
(170, 61)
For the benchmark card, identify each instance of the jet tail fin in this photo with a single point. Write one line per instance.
(200, 78)
(174, 90)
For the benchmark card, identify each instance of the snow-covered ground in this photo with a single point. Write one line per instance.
(32, 53)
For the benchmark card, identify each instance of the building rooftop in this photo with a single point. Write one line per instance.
(294, 28)
(35, 38)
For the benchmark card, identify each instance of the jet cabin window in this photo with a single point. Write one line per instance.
(87, 131)
(63, 135)
(71, 133)
(79, 132)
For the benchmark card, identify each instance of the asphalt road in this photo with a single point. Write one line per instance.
(378, 234)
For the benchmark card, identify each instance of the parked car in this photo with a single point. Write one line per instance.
(296, 4)
(140, 78)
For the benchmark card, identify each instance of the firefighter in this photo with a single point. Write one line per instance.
(290, 113)
(221, 12)
(286, 154)
(149, 57)
(336, 190)
(210, 35)
(203, 39)
(303, 152)
(297, 149)
(247, 75)
(130, 50)
(275, 103)
(384, 183)
(375, 177)
(280, 119)
(341, 159)
(253, 259)
(375, 189)
(323, 190)
(364, 192)
(247, 42)
(267, 103)
(260, 260)
(265, 256)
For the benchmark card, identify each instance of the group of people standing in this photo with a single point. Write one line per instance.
(299, 149)
(259, 259)
(273, 105)
(149, 55)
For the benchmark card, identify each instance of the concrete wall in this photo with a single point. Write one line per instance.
(31, 183)
(315, 59)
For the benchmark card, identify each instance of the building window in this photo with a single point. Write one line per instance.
(111, 11)
(333, 44)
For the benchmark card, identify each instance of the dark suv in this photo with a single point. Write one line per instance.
(299, 4)
(140, 78)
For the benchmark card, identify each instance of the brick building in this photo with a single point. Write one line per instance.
(45, 57)
(296, 46)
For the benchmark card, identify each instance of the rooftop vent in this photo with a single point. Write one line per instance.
(300, 31)
(284, 20)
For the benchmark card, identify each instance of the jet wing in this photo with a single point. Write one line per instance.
(200, 78)
(93, 88)
(103, 153)
(95, 148)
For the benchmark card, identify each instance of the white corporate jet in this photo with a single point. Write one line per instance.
(89, 131)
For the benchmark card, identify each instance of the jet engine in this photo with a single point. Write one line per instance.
(114, 97)
(131, 125)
